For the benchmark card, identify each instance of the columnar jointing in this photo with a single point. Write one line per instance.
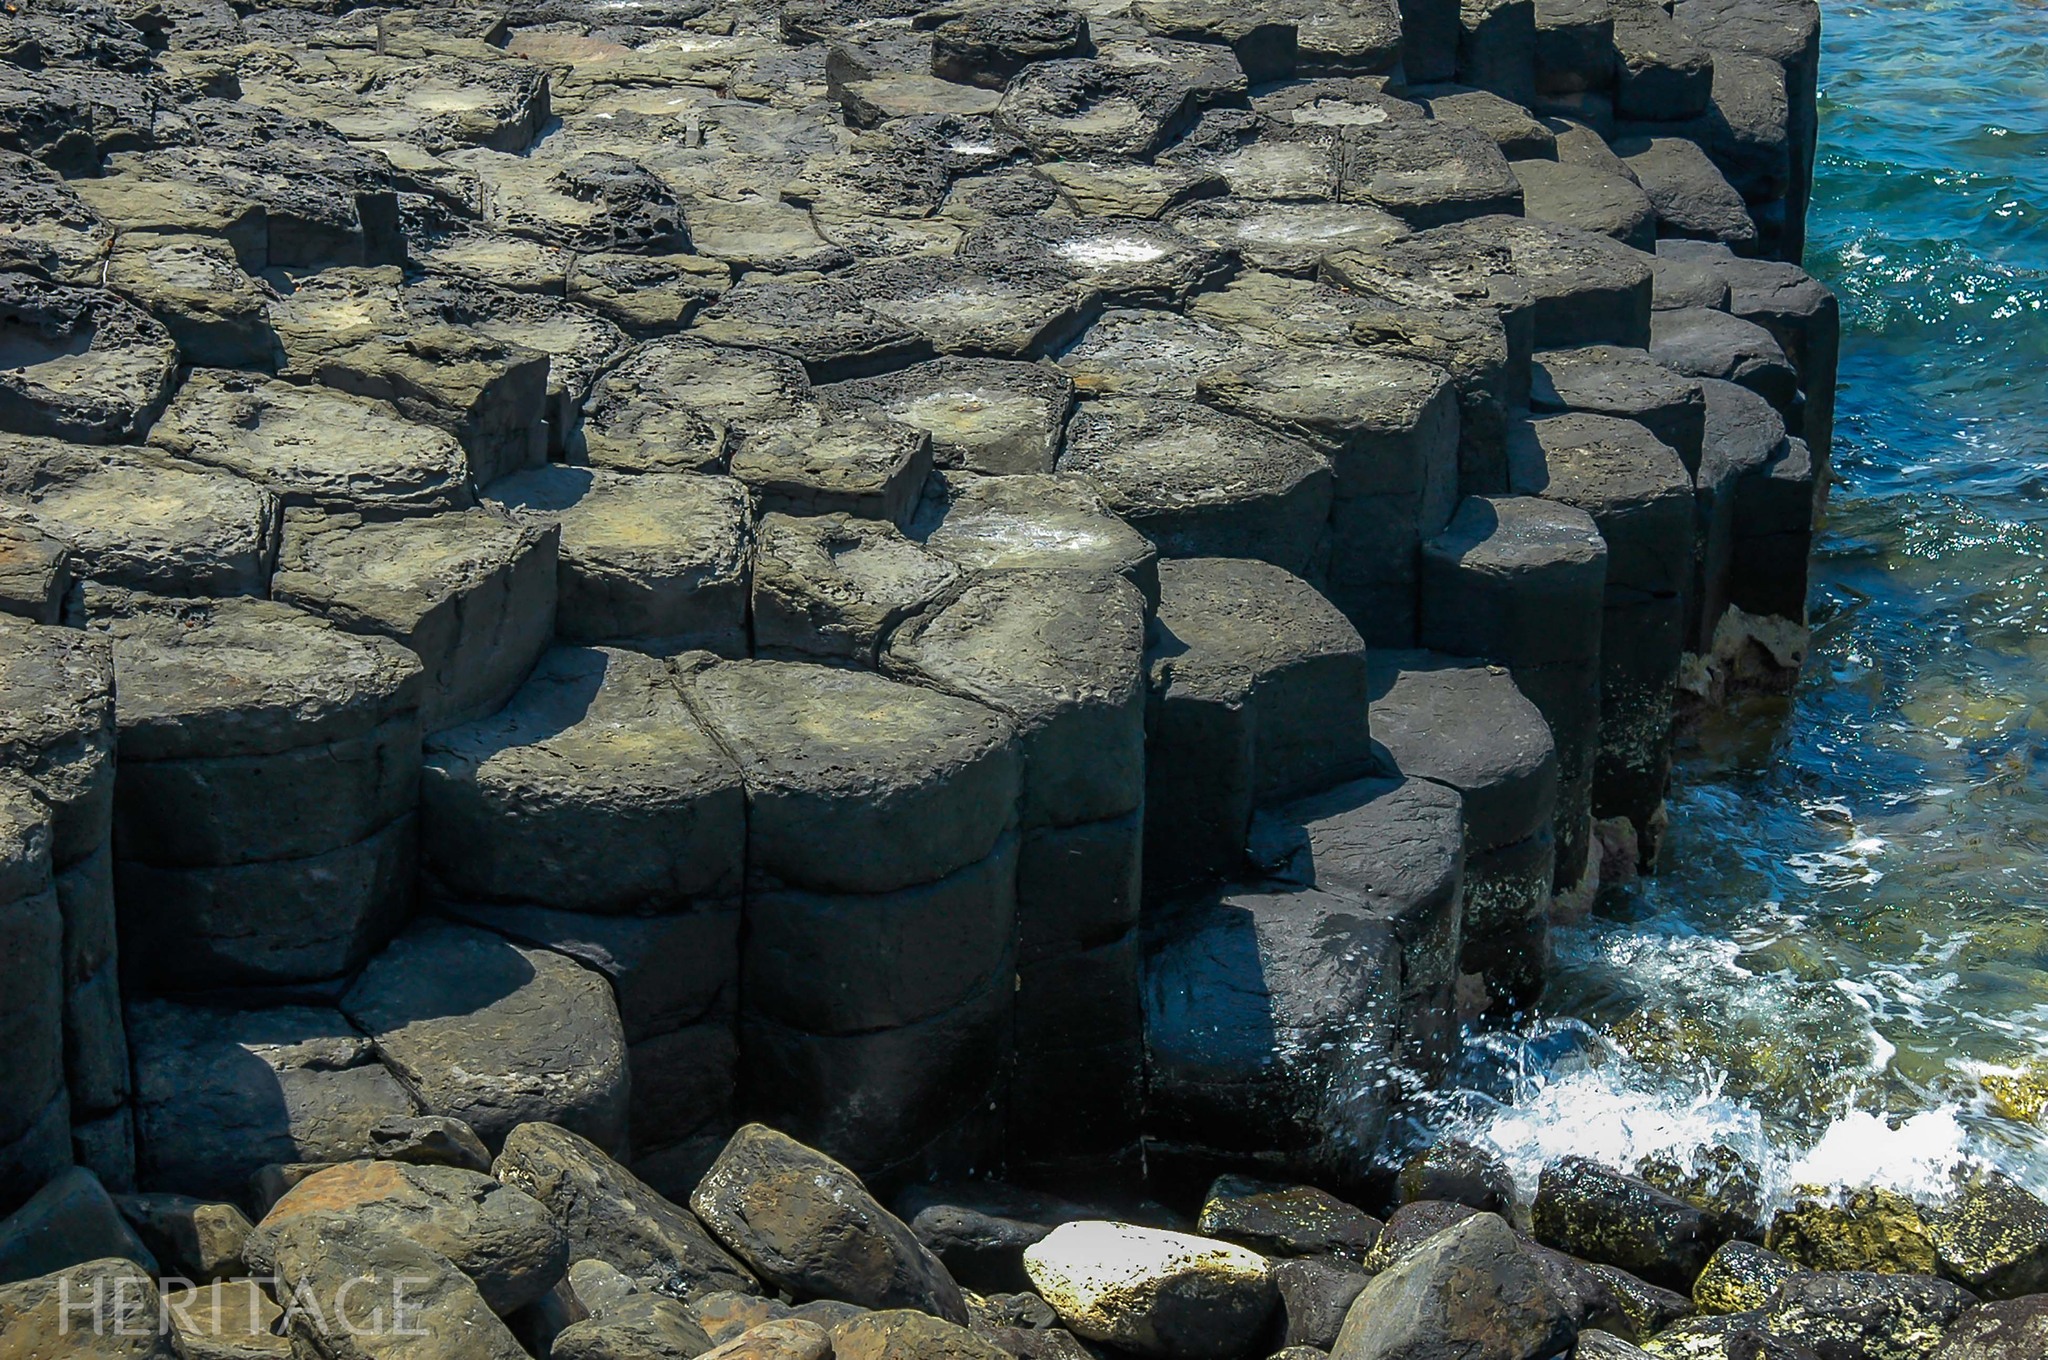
(1071, 590)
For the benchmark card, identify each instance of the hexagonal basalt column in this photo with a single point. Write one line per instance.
(57, 740)
(1638, 493)
(1520, 581)
(1463, 724)
(1060, 653)
(264, 827)
(1258, 695)
(879, 969)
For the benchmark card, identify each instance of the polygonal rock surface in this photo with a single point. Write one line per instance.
(57, 730)
(35, 574)
(1516, 580)
(1060, 653)
(1687, 190)
(313, 447)
(1465, 725)
(495, 1035)
(1150, 1291)
(1428, 174)
(1287, 238)
(680, 405)
(1390, 429)
(49, 230)
(1271, 1024)
(352, 331)
(833, 585)
(807, 1224)
(220, 1093)
(1200, 483)
(610, 1215)
(871, 469)
(215, 313)
(856, 783)
(984, 415)
(594, 789)
(1008, 523)
(1589, 199)
(1258, 694)
(139, 519)
(1082, 108)
(235, 677)
(1121, 263)
(988, 46)
(1710, 344)
(1632, 484)
(813, 318)
(1397, 847)
(658, 560)
(1142, 352)
(1608, 380)
(78, 364)
(471, 593)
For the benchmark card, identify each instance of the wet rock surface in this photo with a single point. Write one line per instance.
(572, 579)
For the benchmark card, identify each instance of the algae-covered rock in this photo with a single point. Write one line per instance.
(1604, 1216)
(1286, 1220)
(1738, 1277)
(1862, 1315)
(1717, 1179)
(1877, 1230)
(1993, 1238)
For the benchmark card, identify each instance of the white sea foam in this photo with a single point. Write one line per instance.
(1594, 1102)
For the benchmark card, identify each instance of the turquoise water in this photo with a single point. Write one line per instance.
(1849, 948)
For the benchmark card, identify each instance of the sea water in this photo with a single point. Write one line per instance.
(1845, 960)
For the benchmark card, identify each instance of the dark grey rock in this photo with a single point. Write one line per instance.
(495, 1035)
(1471, 1290)
(505, 1241)
(1315, 1294)
(1459, 1172)
(595, 789)
(197, 1239)
(1604, 1216)
(1396, 848)
(67, 1223)
(1262, 1039)
(1258, 694)
(1862, 1315)
(808, 1225)
(221, 1093)
(610, 1215)
(82, 365)
(1279, 1220)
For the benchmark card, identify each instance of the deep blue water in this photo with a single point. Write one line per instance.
(1853, 927)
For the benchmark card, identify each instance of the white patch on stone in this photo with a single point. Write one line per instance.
(1110, 250)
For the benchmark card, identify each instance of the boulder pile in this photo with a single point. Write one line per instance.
(1060, 589)
(428, 1247)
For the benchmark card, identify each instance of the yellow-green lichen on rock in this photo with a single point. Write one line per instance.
(1873, 1229)
(1738, 1277)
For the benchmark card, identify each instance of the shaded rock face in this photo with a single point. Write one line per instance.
(806, 1224)
(1470, 1290)
(631, 572)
